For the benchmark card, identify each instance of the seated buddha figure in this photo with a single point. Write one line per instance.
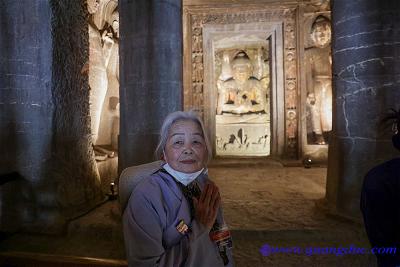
(241, 93)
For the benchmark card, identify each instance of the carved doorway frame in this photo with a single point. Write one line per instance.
(246, 34)
(286, 139)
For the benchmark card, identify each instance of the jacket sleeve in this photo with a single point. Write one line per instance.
(143, 222)
(203, 250)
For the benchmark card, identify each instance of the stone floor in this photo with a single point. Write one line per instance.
(277, 206)
(263, 205)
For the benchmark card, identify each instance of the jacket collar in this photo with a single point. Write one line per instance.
(173, 183)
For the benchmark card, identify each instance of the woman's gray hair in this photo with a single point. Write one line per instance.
(179, 116)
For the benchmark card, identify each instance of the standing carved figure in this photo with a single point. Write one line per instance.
(197, 40)
(113, 75)
(198, 69)
(97, 71)
(103, 72)
(319, 80)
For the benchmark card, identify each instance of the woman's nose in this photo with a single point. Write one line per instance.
(188, 150)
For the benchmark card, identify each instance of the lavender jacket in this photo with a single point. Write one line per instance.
(155, 207)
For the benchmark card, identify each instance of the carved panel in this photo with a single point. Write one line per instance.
(195, 20)
(250, 137)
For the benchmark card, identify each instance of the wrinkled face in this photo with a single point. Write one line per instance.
(241, 72)
(93, 6)
(185, 150)
(322, 34)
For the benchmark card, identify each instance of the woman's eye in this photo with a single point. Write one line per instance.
(178, 143)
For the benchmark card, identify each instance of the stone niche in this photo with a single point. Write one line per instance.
(316, 97)
(237, 81)
(103, 73)
(244, 116)
(266, 113)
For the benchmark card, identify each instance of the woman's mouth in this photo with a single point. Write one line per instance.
(188, 161)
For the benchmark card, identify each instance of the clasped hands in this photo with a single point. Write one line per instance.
(207, 205)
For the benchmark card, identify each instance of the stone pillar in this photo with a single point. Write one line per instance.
(44, 116)
(150, 74)
(366, 67)
(73, 167)
(25, 107)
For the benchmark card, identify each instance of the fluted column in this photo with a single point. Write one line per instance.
(151, 74)
(366, 72)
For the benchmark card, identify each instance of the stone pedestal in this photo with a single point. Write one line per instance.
(243, 135)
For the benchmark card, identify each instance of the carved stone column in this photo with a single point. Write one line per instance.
(366, 63)
(151, 74)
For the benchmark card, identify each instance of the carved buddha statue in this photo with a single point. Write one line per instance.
(241, 93)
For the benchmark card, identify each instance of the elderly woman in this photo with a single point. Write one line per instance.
(173, 217)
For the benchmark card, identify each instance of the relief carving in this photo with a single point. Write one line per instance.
(291, 85)
(197, 40)
(290, 36)
(318, 6)
(291, 99)
(240, 93)
(291, 68)
(198, 69)
(291, 124)
(247, 135)
(319, 83)
(198, 95)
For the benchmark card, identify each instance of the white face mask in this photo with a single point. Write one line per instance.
(184, 178)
